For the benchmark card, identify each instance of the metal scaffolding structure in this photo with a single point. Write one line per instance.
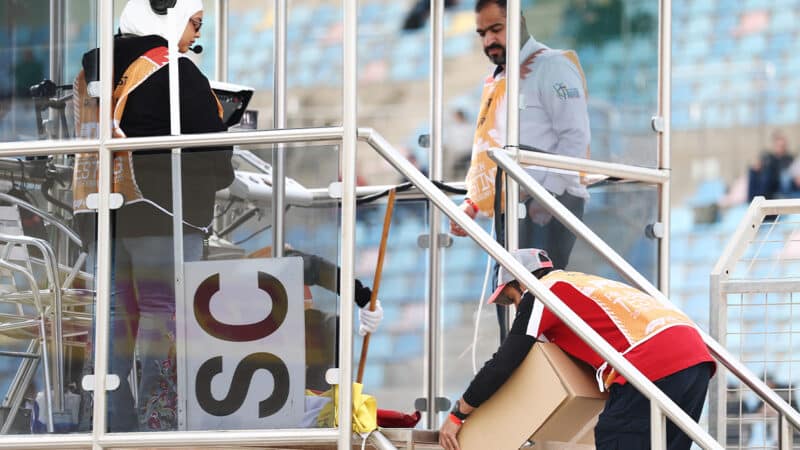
(349, 135)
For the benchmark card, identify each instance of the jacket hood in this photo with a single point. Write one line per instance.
(129, 47)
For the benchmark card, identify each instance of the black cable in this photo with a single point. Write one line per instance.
(227, 208)
(372, 197)
(253, 234)
(447, 188)
(48, 183)
(407, 186)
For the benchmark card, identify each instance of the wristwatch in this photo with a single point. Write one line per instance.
(456, 411)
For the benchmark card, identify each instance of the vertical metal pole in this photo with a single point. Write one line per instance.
(348, 158)
(664, 111)
(279, 121)
(658, 428)
(785, 433)
(221, 42)
(57, 40)
(56, 60)
(514, 43)
(717, 392)
(177, 211)
(221, 64)
(433, 344)
(103, 276)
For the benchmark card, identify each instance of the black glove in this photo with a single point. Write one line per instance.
(362, 294)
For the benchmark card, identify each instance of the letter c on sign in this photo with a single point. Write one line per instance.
(238, 390)
(241, 333)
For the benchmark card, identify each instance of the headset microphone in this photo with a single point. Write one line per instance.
(197, 49)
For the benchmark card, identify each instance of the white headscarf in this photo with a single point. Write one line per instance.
(139, 19)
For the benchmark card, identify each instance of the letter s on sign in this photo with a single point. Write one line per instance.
(238, 390)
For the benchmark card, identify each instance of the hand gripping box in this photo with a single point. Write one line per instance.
(551, 400)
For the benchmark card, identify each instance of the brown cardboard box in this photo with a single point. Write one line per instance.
(550, 399)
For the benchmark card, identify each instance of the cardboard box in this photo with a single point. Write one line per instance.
(551, 399)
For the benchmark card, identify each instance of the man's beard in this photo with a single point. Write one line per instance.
(499, 59)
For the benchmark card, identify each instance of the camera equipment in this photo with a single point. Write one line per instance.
(45, 95)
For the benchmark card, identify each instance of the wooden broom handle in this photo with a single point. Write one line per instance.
(376, 284)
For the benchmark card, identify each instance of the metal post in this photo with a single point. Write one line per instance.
(56, 40)
(57, 46)
(717, 393)
(177, 209)
(513, 27)
(514, 43)
(221, 41)
(348, 163)
(664, 162)
(279, 121)
(433, 343)
(658, 428)
(103, 274)
(785, 433)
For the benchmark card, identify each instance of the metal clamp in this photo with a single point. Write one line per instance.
(442, 404)
(112, 382)
(115, 201)
(658, 124)
(445, 240)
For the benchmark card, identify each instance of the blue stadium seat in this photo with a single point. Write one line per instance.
(407, 346)
(299, 15)
(708, 192)
(458, 45)
(753, 44)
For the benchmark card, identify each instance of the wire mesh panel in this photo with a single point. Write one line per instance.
(756, 304)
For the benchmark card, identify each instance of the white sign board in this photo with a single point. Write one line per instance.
(243, 364)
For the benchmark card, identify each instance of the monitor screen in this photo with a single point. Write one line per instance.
(234, 99)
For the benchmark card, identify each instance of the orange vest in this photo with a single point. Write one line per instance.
(482, 170)
(124, 179)
(638, 316)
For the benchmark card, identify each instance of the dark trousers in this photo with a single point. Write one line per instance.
(552, 237)
(624, 423)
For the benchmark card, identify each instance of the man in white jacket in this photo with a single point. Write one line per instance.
(553, 119)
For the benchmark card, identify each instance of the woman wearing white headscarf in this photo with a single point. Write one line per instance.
(143, 298)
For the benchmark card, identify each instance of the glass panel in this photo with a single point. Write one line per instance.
(465, 348)
(621, 214)
(36, 204)
(394, 368)
(466, 266)
(591, 95)
(227, 352)
(42, 49)
(616, 44)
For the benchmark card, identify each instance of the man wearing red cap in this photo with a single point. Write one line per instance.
(658, 339)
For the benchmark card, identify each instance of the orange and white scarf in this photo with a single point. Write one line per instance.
(482, 170)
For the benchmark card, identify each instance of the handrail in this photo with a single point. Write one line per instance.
(580, 229)
(553, 303)
(625, 171)
(69, 232)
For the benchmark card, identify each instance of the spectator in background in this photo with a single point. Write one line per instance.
(418, 14)
(553, 118)
(790, 180)
(457, 142)
(764, 177)
(28, 72)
